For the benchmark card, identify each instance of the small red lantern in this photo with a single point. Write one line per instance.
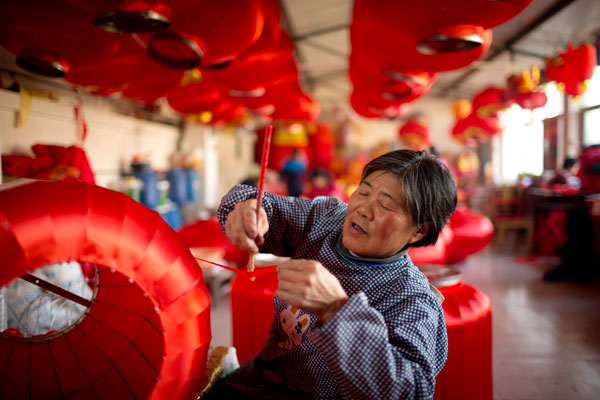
(414, 135)
(572, 68)
(489, 102)
(474, 128)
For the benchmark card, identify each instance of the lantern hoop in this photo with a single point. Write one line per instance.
(42, 64)
(144, 21)
(440, 43)
(174, 40)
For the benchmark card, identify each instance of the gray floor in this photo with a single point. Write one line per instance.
(546, 335)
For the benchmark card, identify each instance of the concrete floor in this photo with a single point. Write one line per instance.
(546, 335)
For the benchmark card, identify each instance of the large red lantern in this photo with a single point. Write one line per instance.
(472, 233)
(364, 106)
(467, 373)
(49, 38)
(441, 25)
(147, 330)
(208, 33)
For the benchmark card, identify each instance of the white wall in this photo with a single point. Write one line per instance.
(112, 139)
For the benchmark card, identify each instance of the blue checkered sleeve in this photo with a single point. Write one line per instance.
(371, 361)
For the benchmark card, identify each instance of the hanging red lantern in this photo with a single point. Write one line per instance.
(208, 33)
(253, 71)
(114, 74)
(365, 107)
(443, 26)
(271, 29)
(147, 331)
(382, 43)
(195, 98)
(474, 128)
(573, 68)
(49, 38)
(531, 100)
(488, 102)
(414, 135)
(472, 233)
(467, 373)
(296, 106)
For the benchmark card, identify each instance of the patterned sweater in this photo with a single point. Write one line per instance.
(387, 342)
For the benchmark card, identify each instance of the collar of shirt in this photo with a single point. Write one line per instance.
(367, 260)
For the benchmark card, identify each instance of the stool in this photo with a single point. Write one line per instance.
(514, 222)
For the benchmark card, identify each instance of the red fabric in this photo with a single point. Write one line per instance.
(51, 163)
(149, 324)
(468, 370)
(252, 312)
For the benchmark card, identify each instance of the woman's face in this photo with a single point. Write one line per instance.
(377, 225)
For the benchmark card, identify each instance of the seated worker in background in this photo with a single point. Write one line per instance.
(354, 317)
(321, 185)
(567, 175)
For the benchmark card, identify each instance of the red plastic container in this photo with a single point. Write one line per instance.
(467, 310)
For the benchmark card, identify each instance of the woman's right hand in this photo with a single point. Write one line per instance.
(242, 228)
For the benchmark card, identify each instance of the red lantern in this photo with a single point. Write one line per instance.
(467, 373)
(472, 233)
(208, 33)
(414, 135)
(296, 106)
(252, 311)
(572, 68)
(531, 100)
(474, 128)
(147, 331)
(442, 25)
(392, 50)
(364, 107)
(49, 38)
(195, 98)
(433, 254)
(489, 102)
(253, 71)
(114, 74)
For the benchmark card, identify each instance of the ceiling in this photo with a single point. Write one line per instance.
(321, 34)
(320, 30)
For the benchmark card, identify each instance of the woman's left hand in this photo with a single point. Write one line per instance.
(309, 286)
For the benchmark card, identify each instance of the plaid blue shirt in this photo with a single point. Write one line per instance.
(387, 342)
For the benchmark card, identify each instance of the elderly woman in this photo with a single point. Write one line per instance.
(354, 317)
